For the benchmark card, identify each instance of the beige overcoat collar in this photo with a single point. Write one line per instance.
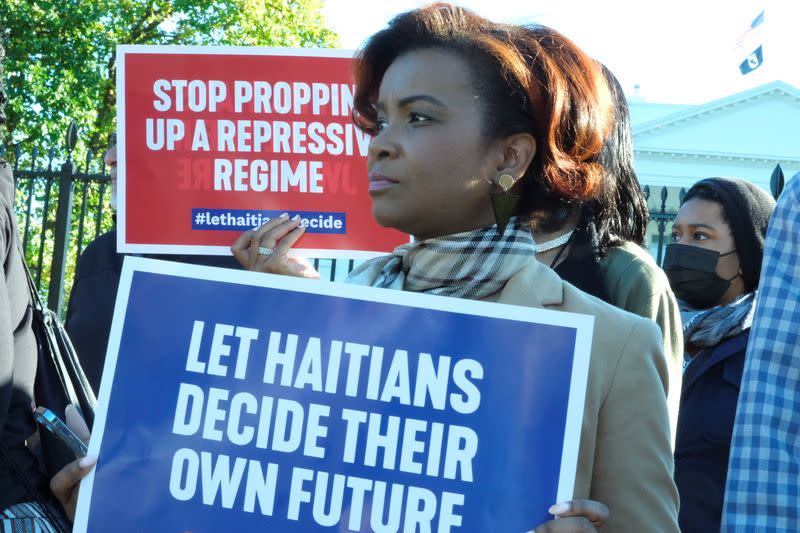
(534, 285)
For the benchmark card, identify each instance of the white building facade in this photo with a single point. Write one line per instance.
(744, 135)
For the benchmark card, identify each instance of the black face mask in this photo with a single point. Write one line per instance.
(692, 274)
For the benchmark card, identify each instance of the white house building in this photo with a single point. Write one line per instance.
(745, 135)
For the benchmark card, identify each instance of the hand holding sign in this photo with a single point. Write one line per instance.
(576, 516)
(276, 238)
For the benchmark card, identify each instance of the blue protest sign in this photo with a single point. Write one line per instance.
(235, 401)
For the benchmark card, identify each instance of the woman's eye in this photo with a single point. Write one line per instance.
(380, 125)
(416, 117)
(699, 236)
(675, 237)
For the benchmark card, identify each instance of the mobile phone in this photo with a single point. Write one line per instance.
(48, 419)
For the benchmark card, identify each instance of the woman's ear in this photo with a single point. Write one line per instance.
(518, 151)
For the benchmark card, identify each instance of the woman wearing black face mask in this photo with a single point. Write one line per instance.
(713, 267)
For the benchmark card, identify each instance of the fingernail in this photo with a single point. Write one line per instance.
(559, 508)
(285, 215)
(296, 217)
(86, 462)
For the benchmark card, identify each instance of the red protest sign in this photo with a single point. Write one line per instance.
(216, 140)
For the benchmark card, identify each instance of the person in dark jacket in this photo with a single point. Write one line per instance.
(713, 266)
(94, 290)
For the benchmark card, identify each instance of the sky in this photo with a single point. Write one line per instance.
(678, 51)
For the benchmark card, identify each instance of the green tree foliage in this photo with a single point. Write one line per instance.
(60, 63)
(60, 67)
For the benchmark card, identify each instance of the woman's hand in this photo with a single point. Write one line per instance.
(576, 516)
(66, 483)
(266, 249)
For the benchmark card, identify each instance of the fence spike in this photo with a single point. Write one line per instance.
(2, 150)
(45, 225)
(72, 138)
(29, 205)
(664, 196)
(776, 181)
(61, 237)
(82, 221)
(51, 155)
(99, 213)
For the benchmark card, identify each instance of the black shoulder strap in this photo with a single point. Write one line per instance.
(63, 357)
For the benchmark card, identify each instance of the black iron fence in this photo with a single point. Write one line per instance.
(62, 207)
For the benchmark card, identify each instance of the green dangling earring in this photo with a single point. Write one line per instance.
(504, 204)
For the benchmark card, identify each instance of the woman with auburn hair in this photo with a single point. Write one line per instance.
(476, 126)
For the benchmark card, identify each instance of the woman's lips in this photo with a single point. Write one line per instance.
(378, 182)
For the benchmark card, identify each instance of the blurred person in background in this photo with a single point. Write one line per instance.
(597, 245)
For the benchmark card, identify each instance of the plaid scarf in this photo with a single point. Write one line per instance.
(469, 265)
(710, 327)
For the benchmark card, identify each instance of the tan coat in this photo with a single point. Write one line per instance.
(625, 458)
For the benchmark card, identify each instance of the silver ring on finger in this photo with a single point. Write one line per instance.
(263, 250)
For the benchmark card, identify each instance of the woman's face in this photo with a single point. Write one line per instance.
(430, 170)
(700, 223)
